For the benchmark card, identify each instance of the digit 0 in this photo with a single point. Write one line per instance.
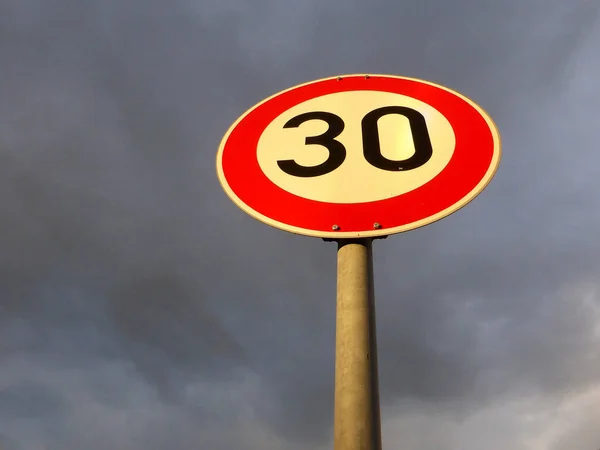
(372, 146)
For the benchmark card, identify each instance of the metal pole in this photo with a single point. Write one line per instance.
(356, 424)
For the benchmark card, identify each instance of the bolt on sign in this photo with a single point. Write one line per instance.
(358, 156)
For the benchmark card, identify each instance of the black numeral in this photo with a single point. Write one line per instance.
(337, 151)
(370, 141)
(420, 135)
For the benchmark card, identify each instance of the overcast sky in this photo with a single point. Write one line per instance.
(140, 309)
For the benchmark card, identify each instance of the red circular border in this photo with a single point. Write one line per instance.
(470, 162)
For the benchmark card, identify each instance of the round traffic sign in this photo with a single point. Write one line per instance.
(358, 156)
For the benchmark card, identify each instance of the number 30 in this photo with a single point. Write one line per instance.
(370, 141)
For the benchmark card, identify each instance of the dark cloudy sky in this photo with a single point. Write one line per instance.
(140, 309)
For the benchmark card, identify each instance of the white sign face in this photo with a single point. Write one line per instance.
(355, 181)
(358, 156)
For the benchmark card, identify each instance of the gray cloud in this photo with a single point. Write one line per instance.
(139, 306)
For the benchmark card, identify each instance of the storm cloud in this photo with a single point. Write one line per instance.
(139, 308)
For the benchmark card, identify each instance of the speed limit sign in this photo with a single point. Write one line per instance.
(358, 156)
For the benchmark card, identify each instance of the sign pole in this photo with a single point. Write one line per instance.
(357, 424)
(270, 164)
